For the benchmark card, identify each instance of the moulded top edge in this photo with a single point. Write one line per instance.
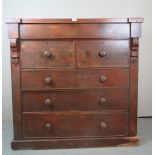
(74, 20)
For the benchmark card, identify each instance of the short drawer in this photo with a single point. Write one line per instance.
(82, 78)
(105, 99)
(47, 54)
(99, 53)
(47, 31)
(75, 124)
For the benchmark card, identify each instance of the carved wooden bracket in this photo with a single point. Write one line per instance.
(134, 47)
(14, 51)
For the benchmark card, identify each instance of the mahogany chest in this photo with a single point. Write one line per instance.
(74, 83)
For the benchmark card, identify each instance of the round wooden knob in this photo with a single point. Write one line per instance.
(103, 125)
(48, 126)
(48, 80)
(48, 102)
(103, 79)
(102, 100)
(102, 53)
(47, 54)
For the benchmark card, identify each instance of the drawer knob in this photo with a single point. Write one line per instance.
(47, 54)
(103, 125)
(102, 100)
(48, 102)
(102, 53)
(103, 79)
(48, 80)
(48, 126)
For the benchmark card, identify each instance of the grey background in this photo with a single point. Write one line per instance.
(82, 9)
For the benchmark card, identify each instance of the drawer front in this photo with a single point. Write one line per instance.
(107, 53)
(37, 31)
(47, 54)
(75, 124)
(106, 99)
(94, 78)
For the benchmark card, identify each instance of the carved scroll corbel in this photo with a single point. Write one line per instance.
(134, 47)
(14, 51)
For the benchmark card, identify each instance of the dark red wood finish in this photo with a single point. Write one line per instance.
(53, 31)
(82, 78)
(74, 143)
(74, 82)
(75, 124)
(134, 86)
(103, 53)
(16, 91)
(83, 100)
(47, 54)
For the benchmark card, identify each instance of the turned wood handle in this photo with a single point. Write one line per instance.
(47, 54)
(48, 126)
(48, 102)
(102, 53)
(102, 100)
(48, 80)
(103, 79)
(103, 125)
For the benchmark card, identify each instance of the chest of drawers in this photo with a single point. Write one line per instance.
(74, 83)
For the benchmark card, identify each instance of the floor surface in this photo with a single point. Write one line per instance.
(145, 147)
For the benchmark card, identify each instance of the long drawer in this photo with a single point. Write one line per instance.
(105, 99)
(43, 31)
(82, 78)
(75, 124)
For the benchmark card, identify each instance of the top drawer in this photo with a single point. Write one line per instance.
(103, 53)
(42, 31)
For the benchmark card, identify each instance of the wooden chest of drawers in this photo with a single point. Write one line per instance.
(74, 82)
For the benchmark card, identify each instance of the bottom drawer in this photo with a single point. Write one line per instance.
(75, 124)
